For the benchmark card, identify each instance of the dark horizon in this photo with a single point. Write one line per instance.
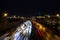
(29, 8)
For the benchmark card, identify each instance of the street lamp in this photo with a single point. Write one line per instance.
(5, 14)
(57, 15)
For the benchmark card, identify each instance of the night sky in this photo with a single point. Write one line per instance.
(30, 7)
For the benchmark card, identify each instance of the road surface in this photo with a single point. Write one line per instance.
(30, 30)
(48, 34)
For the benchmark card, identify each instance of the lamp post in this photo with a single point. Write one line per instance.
(57, 15)
(5, 14)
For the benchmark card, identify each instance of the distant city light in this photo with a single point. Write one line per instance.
(18, 16)
(14, 16)
(48, 16)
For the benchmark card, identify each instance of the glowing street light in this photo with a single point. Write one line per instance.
(57, 15)
(5, 14)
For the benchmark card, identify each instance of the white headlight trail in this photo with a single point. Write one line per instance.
(23, 32)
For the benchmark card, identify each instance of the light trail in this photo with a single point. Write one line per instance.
(47, 32)
(22, 32)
